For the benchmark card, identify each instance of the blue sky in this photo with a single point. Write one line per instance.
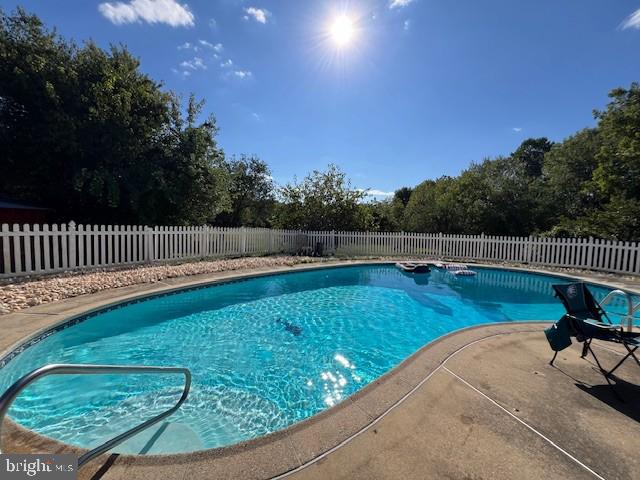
(423, 87)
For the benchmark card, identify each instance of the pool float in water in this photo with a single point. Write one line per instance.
(457, 269)
(451, 266)
(463, 273)
(413, 267)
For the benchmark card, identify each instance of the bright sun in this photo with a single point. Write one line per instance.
(342, 31)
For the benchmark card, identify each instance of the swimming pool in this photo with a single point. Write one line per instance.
(264, 352)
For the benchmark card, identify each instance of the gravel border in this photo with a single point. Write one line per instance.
(20, 293)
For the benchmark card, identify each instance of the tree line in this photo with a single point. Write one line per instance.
(83, 131)
(585, 185)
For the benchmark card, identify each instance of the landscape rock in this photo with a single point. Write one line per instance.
(20, 293)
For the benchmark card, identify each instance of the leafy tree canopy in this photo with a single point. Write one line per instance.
(251, 191)
(322, 201)
(531, 154)
(84, 132)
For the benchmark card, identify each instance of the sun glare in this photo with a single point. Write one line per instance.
(342, 31)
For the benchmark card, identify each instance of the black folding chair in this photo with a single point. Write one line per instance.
(585, 318)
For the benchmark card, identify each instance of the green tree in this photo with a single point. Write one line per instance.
(531, 154)
(618, 172)
(194, 183)
(568, 171)
(252, 194)
(618, 219)
(433, 207)
(402, 196)
(388, 215)
(495, 198)
(383, 216)
(84, 132)
(608, 204)
(323, 201)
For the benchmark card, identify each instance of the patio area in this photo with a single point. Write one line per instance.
(498, 410)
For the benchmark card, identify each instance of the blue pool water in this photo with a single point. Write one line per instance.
(265, 352)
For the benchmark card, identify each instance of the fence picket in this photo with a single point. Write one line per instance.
(27, 248)
(6, 249)
(37, 258)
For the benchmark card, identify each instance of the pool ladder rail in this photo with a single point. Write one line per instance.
(14, 390)
(631, 308)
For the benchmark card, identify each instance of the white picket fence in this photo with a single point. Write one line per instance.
(36, 249)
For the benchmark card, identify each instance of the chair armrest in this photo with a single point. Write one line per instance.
(603, 326)
(595, 323)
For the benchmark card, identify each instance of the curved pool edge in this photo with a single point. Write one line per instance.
(284, 450)
(300, 444)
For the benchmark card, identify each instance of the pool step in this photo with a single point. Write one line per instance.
(165, 437)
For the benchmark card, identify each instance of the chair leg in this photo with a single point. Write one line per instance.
(585, 347)
(605, 374)
(630, 354)
(554, 358)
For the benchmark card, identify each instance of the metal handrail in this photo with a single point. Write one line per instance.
(631, 308)
(14, 390)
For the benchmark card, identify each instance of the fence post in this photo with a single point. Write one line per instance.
(243, 240)
(530, 250)
(72, 244)
(6, 249)
(27, 248)
(148, 244)
(589, 259)
(440, 245)
(17, 256)
(482, 243)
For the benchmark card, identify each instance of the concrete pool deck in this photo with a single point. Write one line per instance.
(498, 410)
(480, 403)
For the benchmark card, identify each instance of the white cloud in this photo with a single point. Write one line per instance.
(227, 64)
(201, 45)
(196, 64)
(260, 15)
(217, 47)
(213, 24)
(256, 116)
(373, 192)
(399, 3)
(183, 73)
(406, 25)
(632, 21)
(151, 11)
(242, 73)
(517, 129)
